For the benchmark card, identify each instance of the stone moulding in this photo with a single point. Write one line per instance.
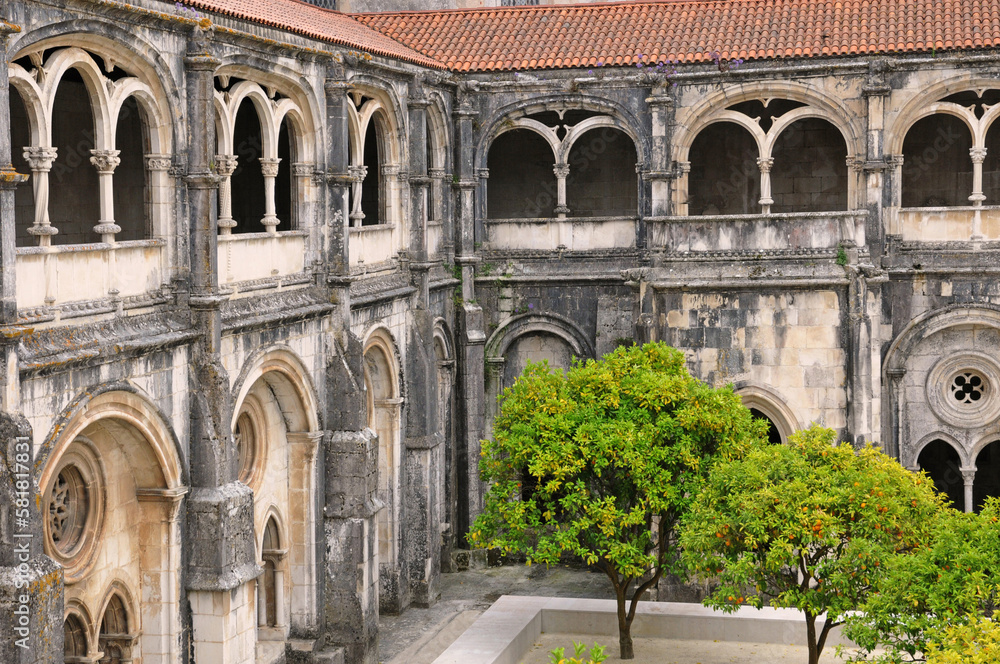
(508, 629)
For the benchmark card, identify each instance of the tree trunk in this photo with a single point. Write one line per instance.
(624, 626)
(811, 638)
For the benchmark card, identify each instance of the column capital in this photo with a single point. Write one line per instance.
(765, 164)
(40, 158)
(978, 155)
(357, 173)
(158, 162)
(561, 170)
(105, 161)
(269, 166)
(225, 164)
(303, 169)
(968, 474)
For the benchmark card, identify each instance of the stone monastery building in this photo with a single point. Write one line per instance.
(265, 267)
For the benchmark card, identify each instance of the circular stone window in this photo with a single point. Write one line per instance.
(962, 390)
(73, 512)
(245, 437)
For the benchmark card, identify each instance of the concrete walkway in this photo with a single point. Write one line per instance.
(418, 636)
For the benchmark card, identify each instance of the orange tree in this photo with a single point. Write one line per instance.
(808, 525)
(931, 602)
(602, 461)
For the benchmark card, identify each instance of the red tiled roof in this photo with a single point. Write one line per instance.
(546, 37)
(316, 23)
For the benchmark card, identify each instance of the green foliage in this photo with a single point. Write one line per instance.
(809, 525)
(841, 256)
(604, 452)
(952, 583)
(596, 655)
(973, 642)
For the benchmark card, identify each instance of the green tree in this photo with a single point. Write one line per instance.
(938, 594)
(808, 525)
(610, 455)
(974, 642)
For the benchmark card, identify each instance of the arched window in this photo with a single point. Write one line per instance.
(810, 168)
(602, 180)
(285, 193)
(130, 177)
(522, 183)
(247, 181)
(74, 206)
(114, 638)
(271, 598)
(20, 138)
(940, 460)
(373, 185)
(74, 640)
(937, 166)
(725, 176)
(987, 482)
(773, 435)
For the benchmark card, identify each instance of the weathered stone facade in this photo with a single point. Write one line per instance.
(262, 290)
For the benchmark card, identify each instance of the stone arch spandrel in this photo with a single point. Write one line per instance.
(692, 119)
(622, 118)
(296, 393)
(564, 328)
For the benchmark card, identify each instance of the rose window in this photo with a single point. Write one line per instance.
(69, 504)
(968, 387)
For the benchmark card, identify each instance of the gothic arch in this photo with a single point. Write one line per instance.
(290, 382)
(901, 118)
(769, 402)
(911, 460)
(692, 120)
(933, 321)
(564, 328)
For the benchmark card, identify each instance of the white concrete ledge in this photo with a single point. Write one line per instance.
(507, 630)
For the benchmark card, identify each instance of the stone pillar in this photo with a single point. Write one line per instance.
(659, 175)
(419, 182)
(969, 479)
(40, 160)
(879, 190)
(765, 164)
(339, 177)
(225, 166)
(106, 161)
(269, 167)
(978, 157)
(31, 584)
(562, 172)
(895, 413)
(471, 335)
(863, 356)
(220, 551)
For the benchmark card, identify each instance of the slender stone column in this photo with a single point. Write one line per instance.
(562, 172)
(225, 166)
(40, 160)
(659, 175)
(106, 161)
(765, 164)
(969, 479)
(978, 157)
(269, 167)
(357, 175)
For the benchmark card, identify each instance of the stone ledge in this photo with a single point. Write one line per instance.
(507, 630)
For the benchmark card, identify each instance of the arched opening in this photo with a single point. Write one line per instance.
(810, 168)
(991, 165)
(522, 183)
(20, 138)
(773, 434)
(383, 418)
(535, 347)
(285, 195)
(987, 482)
(130, 178)
(937, 167)
(602, 180)
(271, 581)
(373, 188)
(74, 206)
(940, 460)
(115, 639)
(247, 181)
(74, 640)
(724, 177)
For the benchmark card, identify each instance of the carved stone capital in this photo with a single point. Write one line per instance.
(40, 158)
(159, 162)
(269, 166)
(357, 173)
(302, 169)
(105, 161)
(765, 164)
(225, 164)
(107, 228)
(436, 173)
(978, 155)
(483, 173)
(561, 170)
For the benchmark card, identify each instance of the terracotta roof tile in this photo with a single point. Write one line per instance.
(316, 23)
(544, 37)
